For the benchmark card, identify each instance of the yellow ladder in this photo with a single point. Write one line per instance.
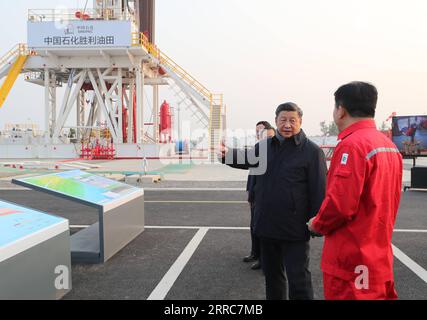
(215, 125)
(21, 54)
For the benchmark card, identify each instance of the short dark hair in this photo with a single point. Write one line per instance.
(289, 106)
(266, 125)
(358, 98)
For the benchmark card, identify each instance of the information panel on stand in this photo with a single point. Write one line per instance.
(18, 224)
(83, 186)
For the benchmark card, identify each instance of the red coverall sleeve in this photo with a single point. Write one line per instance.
(344, 189)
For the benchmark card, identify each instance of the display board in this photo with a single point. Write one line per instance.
(409, 134)
(120, 211)
(32, 245)
(18, 222)
(83, 186)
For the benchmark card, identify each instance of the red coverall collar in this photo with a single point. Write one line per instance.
(363, 124)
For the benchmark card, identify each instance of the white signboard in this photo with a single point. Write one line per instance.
(79, 34)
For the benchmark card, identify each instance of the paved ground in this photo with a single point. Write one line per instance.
(215, 270)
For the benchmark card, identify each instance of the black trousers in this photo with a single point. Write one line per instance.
(285, 266)
(256, 242)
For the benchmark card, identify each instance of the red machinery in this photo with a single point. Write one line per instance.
(165, 123)
(134, 115)
(82, 16)
(125, 121)
(98, 151)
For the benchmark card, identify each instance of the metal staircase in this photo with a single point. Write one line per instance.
(192, 93)
(197, 112)
(11, 66)
(215, 127)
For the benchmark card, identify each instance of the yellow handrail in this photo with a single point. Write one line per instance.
(68, 14)
(13, 74)
(139, 39)
(18, 50)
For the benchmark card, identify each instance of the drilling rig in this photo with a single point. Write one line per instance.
(96, 65)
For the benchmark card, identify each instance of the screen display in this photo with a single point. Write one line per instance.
(82, 185)
(17, 222)
(410, 135)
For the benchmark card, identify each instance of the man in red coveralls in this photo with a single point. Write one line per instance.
(362, 198)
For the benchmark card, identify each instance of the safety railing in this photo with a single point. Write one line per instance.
(46, 15)
(217, 99)
(139, 39)
(19, 50)
(34, 75)
(38, 76)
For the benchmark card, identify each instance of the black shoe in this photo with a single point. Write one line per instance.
(250, 258)
(256, 266)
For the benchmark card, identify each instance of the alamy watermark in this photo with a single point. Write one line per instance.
(243, 149)
(62, 281)
(362, 281)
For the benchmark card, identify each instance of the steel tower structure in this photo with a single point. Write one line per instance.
(104, 58)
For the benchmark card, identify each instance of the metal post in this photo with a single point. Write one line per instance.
(156, 133)
(179, 123)
(120, 104)
(80, 103)
(47, 103)
(130, 108)
(53, 101)
(79, 124)
(139, 103)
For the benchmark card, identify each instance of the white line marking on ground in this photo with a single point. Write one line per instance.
(411, 264)
(162, 289)
(194, 189)
(158, 189)
(415, 189)
(200, 202)
(200, 227)
(174, 227)
(223, 228)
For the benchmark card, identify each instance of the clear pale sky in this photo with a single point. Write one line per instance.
(262, 53)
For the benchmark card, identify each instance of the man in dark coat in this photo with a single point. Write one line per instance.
(290, 187)
(264, 130)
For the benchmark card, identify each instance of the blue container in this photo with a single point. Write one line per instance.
(180, 147)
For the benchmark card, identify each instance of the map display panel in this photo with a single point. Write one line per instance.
(82, 186)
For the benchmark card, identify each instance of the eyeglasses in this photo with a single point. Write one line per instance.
(292, 122)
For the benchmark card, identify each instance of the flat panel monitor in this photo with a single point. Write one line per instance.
(409, 134)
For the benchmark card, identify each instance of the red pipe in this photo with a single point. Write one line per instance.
(134, 115)
(124, 119)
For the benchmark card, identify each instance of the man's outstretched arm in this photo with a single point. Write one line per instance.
(243, 159)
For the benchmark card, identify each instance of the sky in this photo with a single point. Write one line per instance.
(260, 54)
